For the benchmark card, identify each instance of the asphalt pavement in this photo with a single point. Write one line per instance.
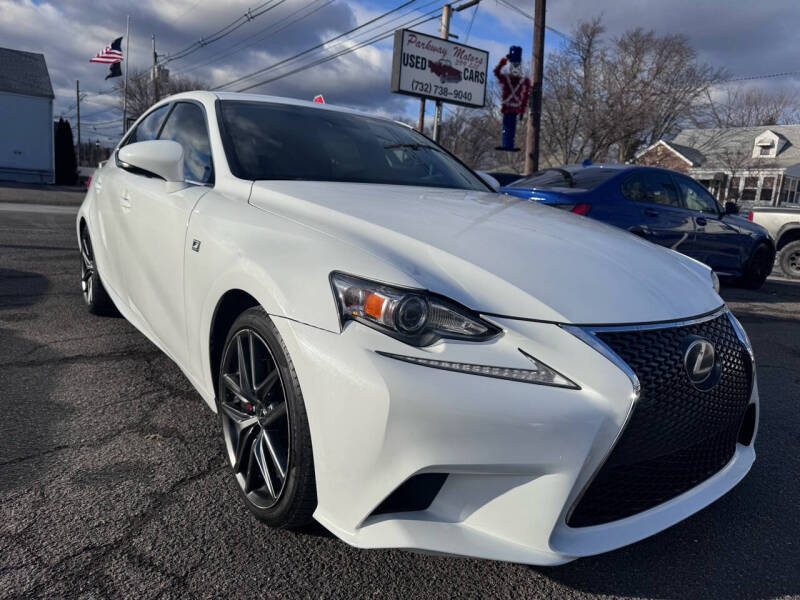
(113, 482)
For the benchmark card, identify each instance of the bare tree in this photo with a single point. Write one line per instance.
(604, 101)
(572, 107)
(141, 92)
(750, 107)
(662, 87)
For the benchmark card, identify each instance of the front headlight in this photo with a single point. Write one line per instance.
(416, 317)
(715, 281)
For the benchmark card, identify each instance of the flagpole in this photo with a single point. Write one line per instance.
(127, 61)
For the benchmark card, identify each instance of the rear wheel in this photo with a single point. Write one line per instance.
(758, 267)
(790, 260)
(94, 294)
(264, 423)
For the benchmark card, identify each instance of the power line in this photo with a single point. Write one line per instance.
(368, 31)
(368, 42)
(192, 6)
(766, 76)
(530, 17)
(259, 71)
(261, 34)
(225, 31)
(471, 22)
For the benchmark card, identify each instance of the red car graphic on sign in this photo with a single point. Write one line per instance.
(445, 70)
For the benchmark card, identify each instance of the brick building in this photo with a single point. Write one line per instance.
(747, 165)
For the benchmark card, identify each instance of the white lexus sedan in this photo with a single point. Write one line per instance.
(406, 356)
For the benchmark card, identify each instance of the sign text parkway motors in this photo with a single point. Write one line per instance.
(430, 67)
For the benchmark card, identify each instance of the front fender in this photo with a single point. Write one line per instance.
(793, 228)
(283, 264)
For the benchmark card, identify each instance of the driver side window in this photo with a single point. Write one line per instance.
(186, 125)
(148, 128)
(653, 187)
(696, 197)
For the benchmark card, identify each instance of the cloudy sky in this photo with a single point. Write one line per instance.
(747, 38)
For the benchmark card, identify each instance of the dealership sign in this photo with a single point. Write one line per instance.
(430, 67)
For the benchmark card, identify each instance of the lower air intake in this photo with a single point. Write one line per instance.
(415, 493)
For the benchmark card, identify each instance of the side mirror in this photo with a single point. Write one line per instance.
(160, 158)
(731, 208)
(489, 180)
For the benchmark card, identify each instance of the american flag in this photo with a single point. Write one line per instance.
(110, 54)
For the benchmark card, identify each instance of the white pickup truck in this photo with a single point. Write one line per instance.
(783, 225)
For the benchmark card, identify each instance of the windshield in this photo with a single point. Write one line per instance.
(279, 141)
(582, 179)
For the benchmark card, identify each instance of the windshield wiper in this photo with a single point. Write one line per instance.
(413, 146)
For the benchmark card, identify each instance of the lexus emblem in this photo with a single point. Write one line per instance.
(700, 361)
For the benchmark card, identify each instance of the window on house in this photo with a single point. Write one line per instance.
(733, 189)
(766, 189)
(750, 189)
(765, 150)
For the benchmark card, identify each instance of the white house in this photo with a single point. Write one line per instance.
(750, 165)
(26, 118)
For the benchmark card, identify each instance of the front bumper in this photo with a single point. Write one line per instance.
(517, 454)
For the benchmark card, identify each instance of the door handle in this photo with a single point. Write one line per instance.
(125, 200)
(650, 212)
(701, 221)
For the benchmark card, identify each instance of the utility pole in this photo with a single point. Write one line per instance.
(155, 71)
(421, 121)
(127, 60)
(533, 130)
(78, 106)
(444, 33)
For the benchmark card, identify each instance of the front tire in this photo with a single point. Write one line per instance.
(790, 260)
(264, 423)
(94, 293)
(758, 267)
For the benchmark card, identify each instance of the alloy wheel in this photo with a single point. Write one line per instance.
(87, 268)
(255, 418)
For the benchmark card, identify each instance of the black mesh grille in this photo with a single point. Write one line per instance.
(677, 436)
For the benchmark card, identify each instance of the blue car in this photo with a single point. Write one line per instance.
(665, 207)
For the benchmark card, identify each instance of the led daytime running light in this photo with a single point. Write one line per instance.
(541, 374)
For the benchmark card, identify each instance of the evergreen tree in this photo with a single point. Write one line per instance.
(66, 164)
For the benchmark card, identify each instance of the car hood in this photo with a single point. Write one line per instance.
(499, 254)
(745, 225)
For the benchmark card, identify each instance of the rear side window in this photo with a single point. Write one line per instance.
(187, 126)
(656, 188)
(148, 128)
(582, 179)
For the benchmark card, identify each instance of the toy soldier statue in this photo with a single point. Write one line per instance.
(516, 89)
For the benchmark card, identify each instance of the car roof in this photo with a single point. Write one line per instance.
(608, 167)
(619, 168)
(211, 96)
